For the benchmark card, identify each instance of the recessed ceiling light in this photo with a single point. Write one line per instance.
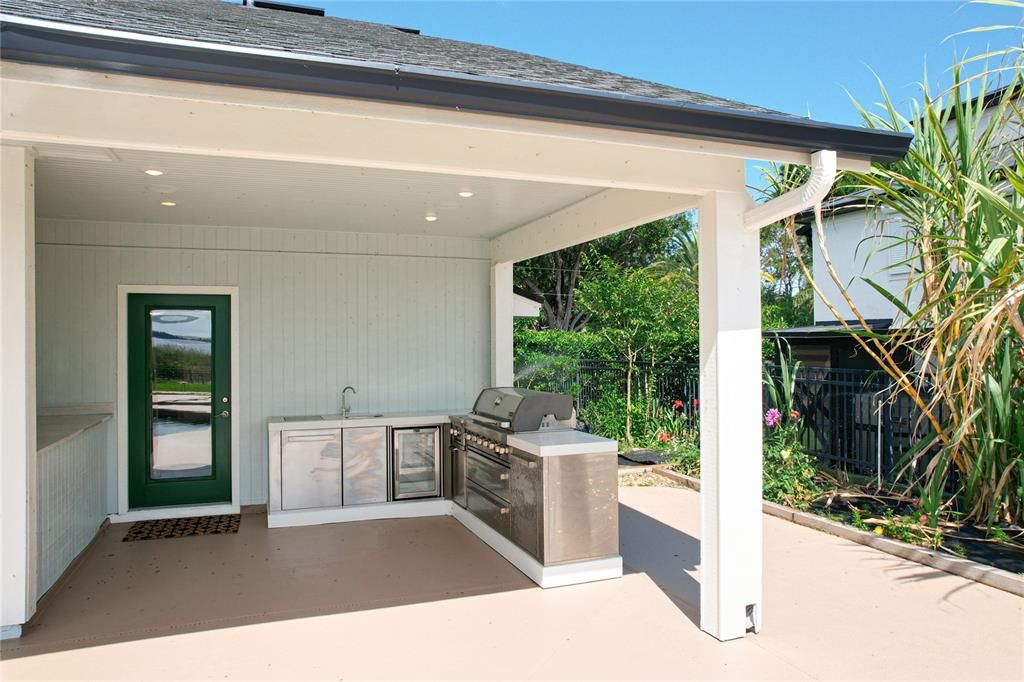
(154, 172)
(465, 194)
(430, 217)
(168, 203)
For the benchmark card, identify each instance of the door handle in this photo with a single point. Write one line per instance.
(225, 413)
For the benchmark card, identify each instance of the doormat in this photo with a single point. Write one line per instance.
(183, 528)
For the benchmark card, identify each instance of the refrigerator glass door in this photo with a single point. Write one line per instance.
(417, 466)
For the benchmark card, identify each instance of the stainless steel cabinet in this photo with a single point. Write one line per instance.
(527, 508)
(311, 468)
(487, 507)
(459, 475)
(364, 465)
(417, 462)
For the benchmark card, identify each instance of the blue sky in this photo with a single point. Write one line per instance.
(797, 57)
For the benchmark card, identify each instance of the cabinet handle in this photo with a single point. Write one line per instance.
(503, 477)
(310, 439)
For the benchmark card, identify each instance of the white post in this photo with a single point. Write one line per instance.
(17, 389)
(501, 324)
(730, 419)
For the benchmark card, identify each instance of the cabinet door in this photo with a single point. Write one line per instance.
(311, 469)
(417, 465)
(527, 504)
(365, 465)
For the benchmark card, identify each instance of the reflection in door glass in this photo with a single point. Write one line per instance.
(181, 366)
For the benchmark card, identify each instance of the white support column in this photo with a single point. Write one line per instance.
(730, 444)
(501, 324)
(17, 389)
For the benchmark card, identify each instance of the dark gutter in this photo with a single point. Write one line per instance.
(828, 330)
(81, 47)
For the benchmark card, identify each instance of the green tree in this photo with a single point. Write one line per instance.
(681, 257)
(553, 279)
(642, 317)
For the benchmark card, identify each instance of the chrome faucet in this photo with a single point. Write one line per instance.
(345, 409)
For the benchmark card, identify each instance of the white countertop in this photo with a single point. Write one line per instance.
(336, 421)
(52, 430)
(568, 442)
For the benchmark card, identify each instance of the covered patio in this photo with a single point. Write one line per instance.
(322, 602)
(360, 221)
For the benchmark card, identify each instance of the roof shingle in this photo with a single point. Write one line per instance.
(231, 23)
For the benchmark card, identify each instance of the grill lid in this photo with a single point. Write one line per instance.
(522, 409)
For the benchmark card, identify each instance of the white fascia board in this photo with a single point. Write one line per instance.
(176, 116)
(604, 213)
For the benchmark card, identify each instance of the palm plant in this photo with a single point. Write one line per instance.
(956, 201)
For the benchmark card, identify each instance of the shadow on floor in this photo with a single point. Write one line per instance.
(126, 591)
(665, 554)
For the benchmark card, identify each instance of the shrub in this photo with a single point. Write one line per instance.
(790, 474)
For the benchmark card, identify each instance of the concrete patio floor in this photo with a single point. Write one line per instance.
(423, 598)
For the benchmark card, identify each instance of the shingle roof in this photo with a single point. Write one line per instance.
(230, 23)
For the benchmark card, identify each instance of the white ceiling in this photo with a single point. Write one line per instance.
(111, 185)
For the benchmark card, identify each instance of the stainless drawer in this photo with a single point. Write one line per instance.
(311, 469)
(488, 474)
(490, 509)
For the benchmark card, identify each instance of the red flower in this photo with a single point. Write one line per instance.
(696, 403)
(677, 405)
(664, 437)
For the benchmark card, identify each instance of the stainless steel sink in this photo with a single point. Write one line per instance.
(351, 416)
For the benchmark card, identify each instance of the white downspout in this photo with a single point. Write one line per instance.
(823, 174)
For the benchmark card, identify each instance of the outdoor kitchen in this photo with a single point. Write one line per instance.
(514, 471)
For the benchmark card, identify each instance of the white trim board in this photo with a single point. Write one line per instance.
(124, 512)
(185, 512)
(546, 577)
(412, 509)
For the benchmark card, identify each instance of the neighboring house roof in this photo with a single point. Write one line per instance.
(826, 330)
(833, 206)
(524, 307)
(225, 42)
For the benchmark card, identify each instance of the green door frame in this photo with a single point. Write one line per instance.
(143, 490)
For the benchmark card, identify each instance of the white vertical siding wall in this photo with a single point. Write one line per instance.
(404, 319)
(861, 244)
(72, 483)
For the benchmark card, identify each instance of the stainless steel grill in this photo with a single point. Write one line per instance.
(499, 412)
(557, 509)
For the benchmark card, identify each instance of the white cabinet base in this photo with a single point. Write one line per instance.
(545, 576)
(363, 512)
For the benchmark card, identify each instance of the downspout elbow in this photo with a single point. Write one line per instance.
(811, 193)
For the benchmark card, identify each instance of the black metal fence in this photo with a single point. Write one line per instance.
(851, 419)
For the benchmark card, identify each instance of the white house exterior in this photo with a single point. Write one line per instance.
(314, 173)
(866, 243)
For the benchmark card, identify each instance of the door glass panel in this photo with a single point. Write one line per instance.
(181, 381)
(416, 462)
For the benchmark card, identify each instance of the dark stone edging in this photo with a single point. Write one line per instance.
(965, 568)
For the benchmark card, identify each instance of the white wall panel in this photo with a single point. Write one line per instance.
(404, 319)
(72, 482)
(862, 245)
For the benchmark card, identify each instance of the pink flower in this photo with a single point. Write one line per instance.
(696, 403)
(772, 418)
(664, 437)
(677, 405)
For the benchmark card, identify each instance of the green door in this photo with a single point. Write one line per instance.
(179, 399)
